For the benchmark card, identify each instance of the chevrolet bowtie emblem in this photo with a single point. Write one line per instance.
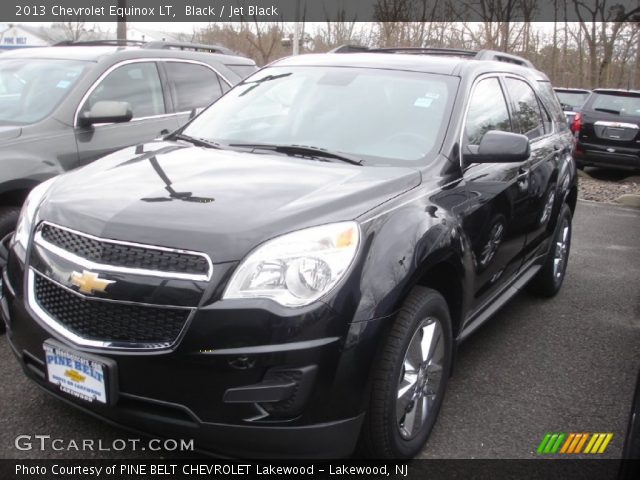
(88, 282)
(75, 376)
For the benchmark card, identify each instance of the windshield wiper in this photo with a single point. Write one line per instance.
(302, 150)
(608, 110)
(199, 142)
(255, 83)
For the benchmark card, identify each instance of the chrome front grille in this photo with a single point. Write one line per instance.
(127, 255)
(118, 306)
(109, 322)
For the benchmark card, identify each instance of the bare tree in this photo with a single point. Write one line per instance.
(410, 23)
(73, 31)
(601, 23)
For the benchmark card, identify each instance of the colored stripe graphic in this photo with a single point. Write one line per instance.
(594, 437)
(605, 443)
(573, 443)
(567, 443)
(581, 442)
(579, 437)
(556, 446)
(543, 443)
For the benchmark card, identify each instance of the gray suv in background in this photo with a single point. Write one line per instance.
(62, 107)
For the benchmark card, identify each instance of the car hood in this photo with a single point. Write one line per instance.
(216, 201)
(9, 133)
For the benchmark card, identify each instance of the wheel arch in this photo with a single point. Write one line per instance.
(444, 278)
(13, 194)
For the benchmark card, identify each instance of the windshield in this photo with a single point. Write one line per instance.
(384, 117)
(617, 103)
(31, 88)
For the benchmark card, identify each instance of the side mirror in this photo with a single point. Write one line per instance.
(106, 111)
(500, 147)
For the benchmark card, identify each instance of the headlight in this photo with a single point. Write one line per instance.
(27, 215)
(297, 268)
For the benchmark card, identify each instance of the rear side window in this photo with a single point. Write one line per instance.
(625, 105)
(550, 102)
(526, 110)
(192, 85)
(487, 111)
(137, 84)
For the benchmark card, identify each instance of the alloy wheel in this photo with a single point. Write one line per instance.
(420, 378)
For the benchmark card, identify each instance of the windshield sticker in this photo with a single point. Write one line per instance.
(422, 102)
(63, 84)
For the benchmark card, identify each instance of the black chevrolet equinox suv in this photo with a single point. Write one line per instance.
(289, 274)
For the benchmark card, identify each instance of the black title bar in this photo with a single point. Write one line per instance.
(200, 469)
(19, 11)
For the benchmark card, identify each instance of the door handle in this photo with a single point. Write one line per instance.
(523, 178)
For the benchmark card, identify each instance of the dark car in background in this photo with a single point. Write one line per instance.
(289, 274)
(63, 107)
(607, 130)
(571, 100)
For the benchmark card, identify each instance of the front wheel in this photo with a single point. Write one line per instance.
(409, 378)
(8, 219)
(550, 277)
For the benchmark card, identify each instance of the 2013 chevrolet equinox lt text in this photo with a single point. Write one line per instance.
(290, 273)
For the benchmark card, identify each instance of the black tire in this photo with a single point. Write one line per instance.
(550, 277)
(383, 434)
(8, 220)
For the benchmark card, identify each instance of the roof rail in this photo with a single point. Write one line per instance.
(414, 50)
(349, 49)
(94, 43)
(493, 55)
(503, 57)
(427, 51)
(196, 47)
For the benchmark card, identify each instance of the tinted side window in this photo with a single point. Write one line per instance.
(550, 101)
(193, 86)
(526, 108)
(546, 118)
(135, 83)
(487, 111)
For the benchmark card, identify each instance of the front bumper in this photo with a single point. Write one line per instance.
(228, 346)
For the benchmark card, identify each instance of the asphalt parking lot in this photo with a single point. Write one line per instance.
(561, 365)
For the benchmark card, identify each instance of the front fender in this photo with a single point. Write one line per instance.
(23, 171)
(398, 249)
